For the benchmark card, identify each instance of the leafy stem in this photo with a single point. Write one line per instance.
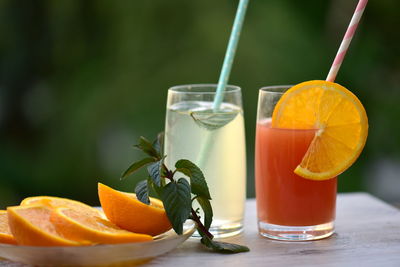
(168, 173)
(176, 194)
(200, 225)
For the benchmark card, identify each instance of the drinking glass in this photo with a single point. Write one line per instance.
(289, 207)
(214, 139)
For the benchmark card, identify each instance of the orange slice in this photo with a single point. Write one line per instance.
(80, 226)
(127, 212)
(31, 226)
(5, 233)
(340, 120)
(55, 202)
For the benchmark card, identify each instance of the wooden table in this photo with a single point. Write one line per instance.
(367, 234)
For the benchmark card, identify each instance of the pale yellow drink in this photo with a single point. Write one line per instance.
(218, 151)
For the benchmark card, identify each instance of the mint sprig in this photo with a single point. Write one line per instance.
(176, 194)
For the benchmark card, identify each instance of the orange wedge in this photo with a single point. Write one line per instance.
(340, 120)
(55, 202)
(31, 226)
(80, 226)
(127, 212)
(5, 233)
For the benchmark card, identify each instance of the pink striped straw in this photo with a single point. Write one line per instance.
(346, 40)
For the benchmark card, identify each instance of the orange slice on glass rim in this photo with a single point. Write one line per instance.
(340, 121)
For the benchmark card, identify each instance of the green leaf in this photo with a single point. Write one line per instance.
(211, 120)
(136, 166)
(154, 171)
(177, 203)
(142, 192)
(147, 147)
(223, 247)
(197, 181)
(207, 209)
(158, 144)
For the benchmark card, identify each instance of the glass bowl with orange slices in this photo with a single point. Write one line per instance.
(56, 231)
(306, 136)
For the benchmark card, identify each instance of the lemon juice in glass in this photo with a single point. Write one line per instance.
(215, 141)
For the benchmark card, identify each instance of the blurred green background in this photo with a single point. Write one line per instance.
(80, 81)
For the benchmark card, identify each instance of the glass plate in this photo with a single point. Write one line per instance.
(119, 254)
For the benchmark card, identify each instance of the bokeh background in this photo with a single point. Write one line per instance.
(80, 81)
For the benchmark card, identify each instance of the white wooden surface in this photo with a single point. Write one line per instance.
(367, 234)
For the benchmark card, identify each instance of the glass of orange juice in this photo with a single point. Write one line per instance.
(289, 207)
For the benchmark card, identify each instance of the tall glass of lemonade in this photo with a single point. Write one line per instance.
(213, 139)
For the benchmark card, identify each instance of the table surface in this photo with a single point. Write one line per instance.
(367, 234)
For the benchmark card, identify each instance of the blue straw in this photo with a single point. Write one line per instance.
(230, 53)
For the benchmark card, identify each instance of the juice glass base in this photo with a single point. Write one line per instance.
(296, 233)
(224, 230)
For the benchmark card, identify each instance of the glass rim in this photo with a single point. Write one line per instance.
(200, 88)
(275, 89)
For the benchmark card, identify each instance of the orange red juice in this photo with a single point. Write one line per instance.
(284, 198)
